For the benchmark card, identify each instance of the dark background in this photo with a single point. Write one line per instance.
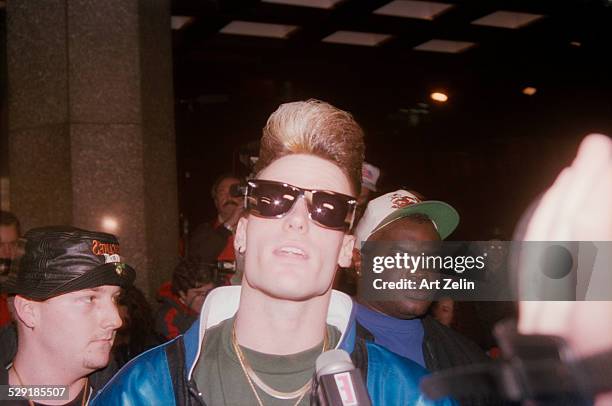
(488, 151)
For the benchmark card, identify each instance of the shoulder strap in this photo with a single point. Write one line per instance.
(175, 354)
(360, 357)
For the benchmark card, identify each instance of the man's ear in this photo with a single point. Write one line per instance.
(346, 251)
(240, 243)
(27, 311)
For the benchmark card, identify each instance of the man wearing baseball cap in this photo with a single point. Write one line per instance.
(401, 325)
(65, 293)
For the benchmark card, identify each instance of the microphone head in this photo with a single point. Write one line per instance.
(332, 362)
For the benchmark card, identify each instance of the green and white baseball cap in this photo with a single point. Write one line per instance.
(393, 206)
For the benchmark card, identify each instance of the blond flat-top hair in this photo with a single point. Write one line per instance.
(316, 128)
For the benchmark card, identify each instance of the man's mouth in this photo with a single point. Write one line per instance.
(291, 252)
(103, 344)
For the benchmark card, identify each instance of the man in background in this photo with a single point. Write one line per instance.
(182, 299)
(213, 242)
(402, 324)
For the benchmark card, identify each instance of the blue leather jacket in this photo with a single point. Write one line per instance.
(163, 375)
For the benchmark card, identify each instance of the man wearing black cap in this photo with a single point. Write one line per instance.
(64, 302)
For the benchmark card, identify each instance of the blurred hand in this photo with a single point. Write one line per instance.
(577, 207)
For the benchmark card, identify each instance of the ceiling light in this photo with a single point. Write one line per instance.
(507, 19)
(357, 38)
(439, 45)
(258, 29)
(576, 44)
(425, 10)
(529, 91)
(110, 224)
(327, 4)
(439, 97)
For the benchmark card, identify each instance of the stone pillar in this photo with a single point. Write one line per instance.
(91, 123)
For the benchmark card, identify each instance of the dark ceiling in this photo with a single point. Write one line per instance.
(489, 150)
(207, 62)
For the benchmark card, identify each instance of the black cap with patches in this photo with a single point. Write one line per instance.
(61, 259)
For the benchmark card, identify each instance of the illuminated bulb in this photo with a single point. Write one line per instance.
(530, 91)
(439, 97)
(575, 44)
(110, 224)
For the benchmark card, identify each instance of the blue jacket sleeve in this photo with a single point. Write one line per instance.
(394, 380)
(144, 381)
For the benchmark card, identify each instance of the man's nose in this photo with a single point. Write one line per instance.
(110, 316)
(297, 219)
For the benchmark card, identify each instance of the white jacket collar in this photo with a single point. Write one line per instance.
(222, 304)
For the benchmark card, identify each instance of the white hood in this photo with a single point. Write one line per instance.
(222, 304)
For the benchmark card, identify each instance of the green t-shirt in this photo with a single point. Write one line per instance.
(221, 380)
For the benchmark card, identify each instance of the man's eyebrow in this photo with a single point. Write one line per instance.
(95, 290)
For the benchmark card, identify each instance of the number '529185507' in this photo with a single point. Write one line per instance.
(55, 392)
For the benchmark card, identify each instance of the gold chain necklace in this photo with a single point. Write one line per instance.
(30, 403)
(254, 379)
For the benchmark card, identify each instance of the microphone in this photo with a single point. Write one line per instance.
(338, 382)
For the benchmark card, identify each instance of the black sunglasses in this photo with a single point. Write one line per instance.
(269, 199)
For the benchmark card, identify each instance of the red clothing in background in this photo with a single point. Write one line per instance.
(5, 315)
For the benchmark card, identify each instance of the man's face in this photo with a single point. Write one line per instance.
(293, 258)
(194, 297)
(225, 203)
(405, 229)
(79, 327)
(8, 241)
